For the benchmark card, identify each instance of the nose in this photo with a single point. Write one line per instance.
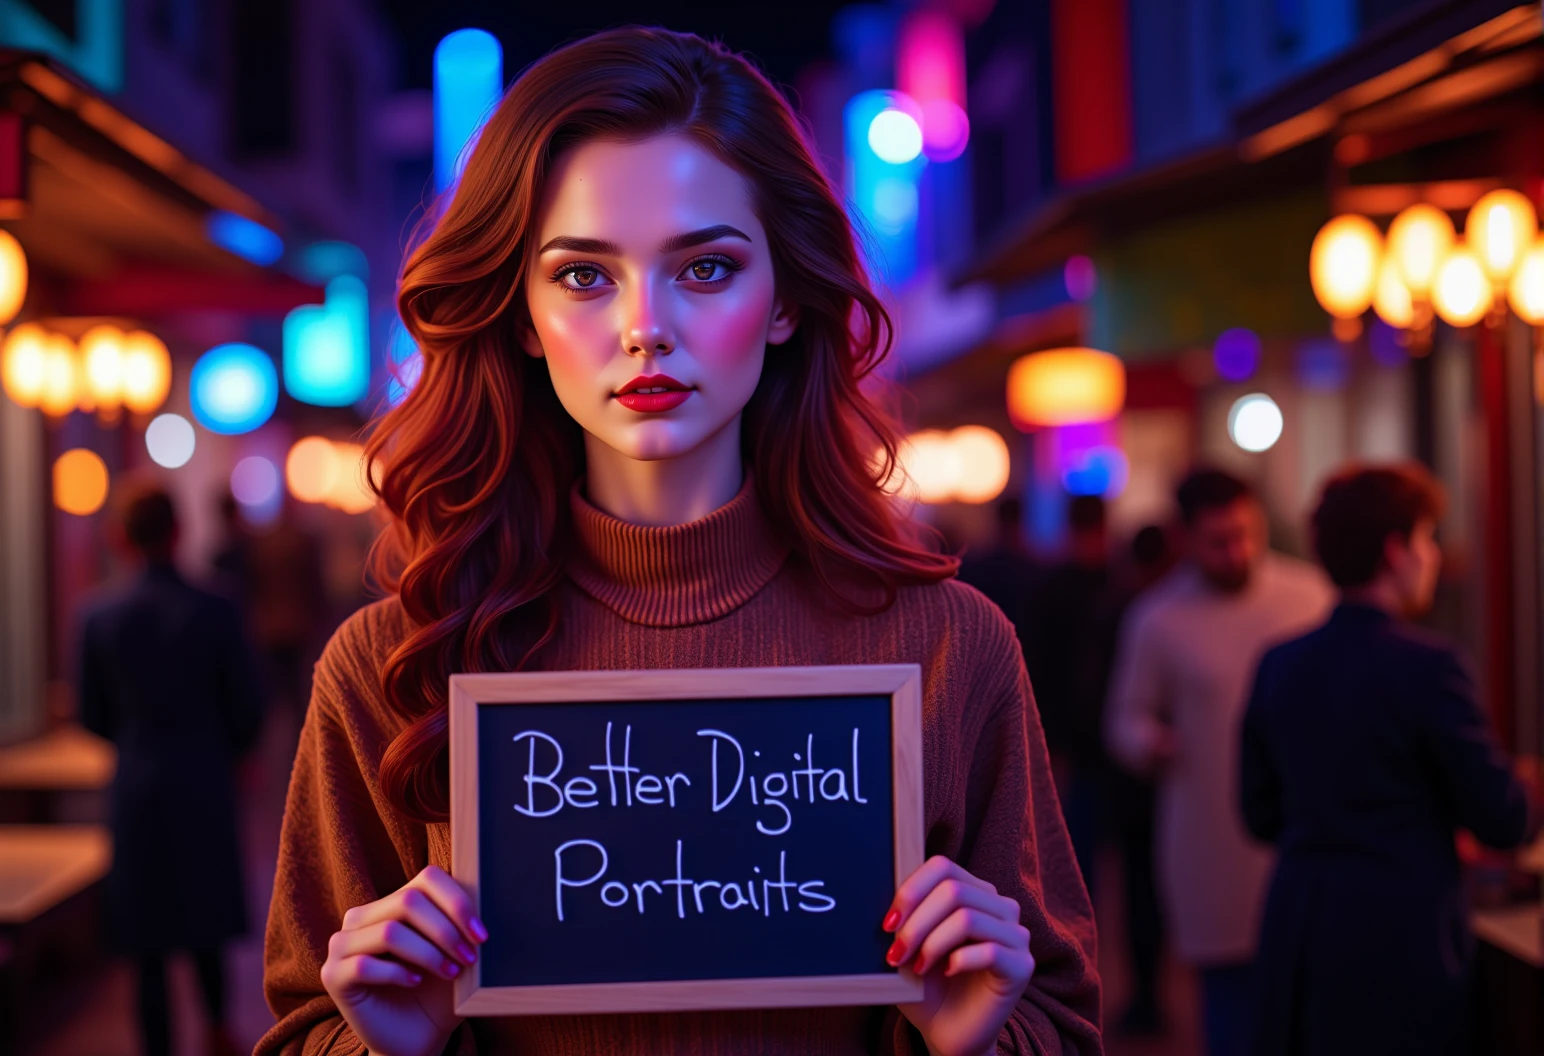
(647, 331)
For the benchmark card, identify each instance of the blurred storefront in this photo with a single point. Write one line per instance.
(1199, 275)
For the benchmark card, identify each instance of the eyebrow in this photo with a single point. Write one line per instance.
(673, 244)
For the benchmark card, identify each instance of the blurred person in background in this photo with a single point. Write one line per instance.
(1364, 751)
(1006, 573)
(288, 604)
(1131, 796)
(166, 674)
(1064, 667)
(1184, 667)
(232, 562)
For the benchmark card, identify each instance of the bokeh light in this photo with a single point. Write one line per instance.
(1500, 227)
(1236, 354)
(1065, 386)
(1255, 422)
(147, 372)
(1527, 287)
(1343, 265)
(1463, 292)
(1080, 277)
(1419, 240)
(349, 492)
(984, 463)
(80, 482)
(234, 389)
(170, 440)
(101, 353)
(311, 469)
(13, 277)
(61, 376)
(1100, 470)
(933, 465)
(895, 136)
(254, 481)
(24, 364)
(1391, 298)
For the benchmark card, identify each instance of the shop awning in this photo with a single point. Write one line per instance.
(115, 213)
(1443, 57)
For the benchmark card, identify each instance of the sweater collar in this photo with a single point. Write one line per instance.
(677, 575)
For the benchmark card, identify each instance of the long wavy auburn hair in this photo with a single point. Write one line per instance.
(475, 466)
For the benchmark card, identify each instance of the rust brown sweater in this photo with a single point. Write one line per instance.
(719, 592)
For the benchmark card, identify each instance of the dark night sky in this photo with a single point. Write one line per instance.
(781, 37)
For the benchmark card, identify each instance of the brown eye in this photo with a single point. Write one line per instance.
(703, 270)
(584, 276)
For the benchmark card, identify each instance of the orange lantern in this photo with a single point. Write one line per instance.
(24, 364)
(984, 463)
(311, 469)
(1343, 265)
(1501, 227)
(61, 376)
(1527, 289)
(1463, 292)
(1419, 240)
(1065, 386)
(1391, 300)
(349, 492)
(13, 277)
(147, 372)
(101, 353)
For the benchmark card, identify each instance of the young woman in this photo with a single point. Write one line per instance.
(639, 441)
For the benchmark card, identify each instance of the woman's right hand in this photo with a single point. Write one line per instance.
(390, 968)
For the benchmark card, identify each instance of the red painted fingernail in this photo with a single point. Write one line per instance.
(478, 930)
(897, 953)
(465, 953)
(917, 968)
(892, 920)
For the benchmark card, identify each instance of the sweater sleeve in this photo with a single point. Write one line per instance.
(335, 852)
(1016, 839)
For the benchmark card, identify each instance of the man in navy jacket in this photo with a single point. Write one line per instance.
(1364, 751)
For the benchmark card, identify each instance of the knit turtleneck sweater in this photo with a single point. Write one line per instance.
(723, 591)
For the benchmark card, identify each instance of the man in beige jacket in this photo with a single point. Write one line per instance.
(1183, 672)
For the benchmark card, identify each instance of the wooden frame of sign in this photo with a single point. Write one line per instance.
(469, 693)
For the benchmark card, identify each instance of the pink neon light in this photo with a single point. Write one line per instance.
(930, 68)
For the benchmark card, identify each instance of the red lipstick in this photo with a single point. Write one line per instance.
(653, 393)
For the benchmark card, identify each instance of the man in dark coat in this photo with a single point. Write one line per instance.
(166, 674)
(1364, 750)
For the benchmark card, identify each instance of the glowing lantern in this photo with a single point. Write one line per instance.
(1419, 240)
(147, 372)
(80, 482)
(24, 364)
(895, 136)
(932, 463)
(983, 461)
(311, 469)
(61, 376)
(1501, 227)
(349, 492)
(1065, 386)
(1462, 294)
(1343, 265)
(1527, 289)
(13, 277)
(101, 352)
(1391, 299)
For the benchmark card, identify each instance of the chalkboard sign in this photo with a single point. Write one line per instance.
(685, 840)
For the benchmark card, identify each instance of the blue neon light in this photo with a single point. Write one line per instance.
(233, 389)
(405, 364)
(327, 346)
(320, 262)
(468, 80)
(883, 194)
(247, 239)
(96, 52)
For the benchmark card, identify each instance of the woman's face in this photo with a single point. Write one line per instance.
(651, 294)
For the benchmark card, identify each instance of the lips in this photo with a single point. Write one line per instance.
(653, 393)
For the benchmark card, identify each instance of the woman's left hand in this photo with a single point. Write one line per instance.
(966, 942)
